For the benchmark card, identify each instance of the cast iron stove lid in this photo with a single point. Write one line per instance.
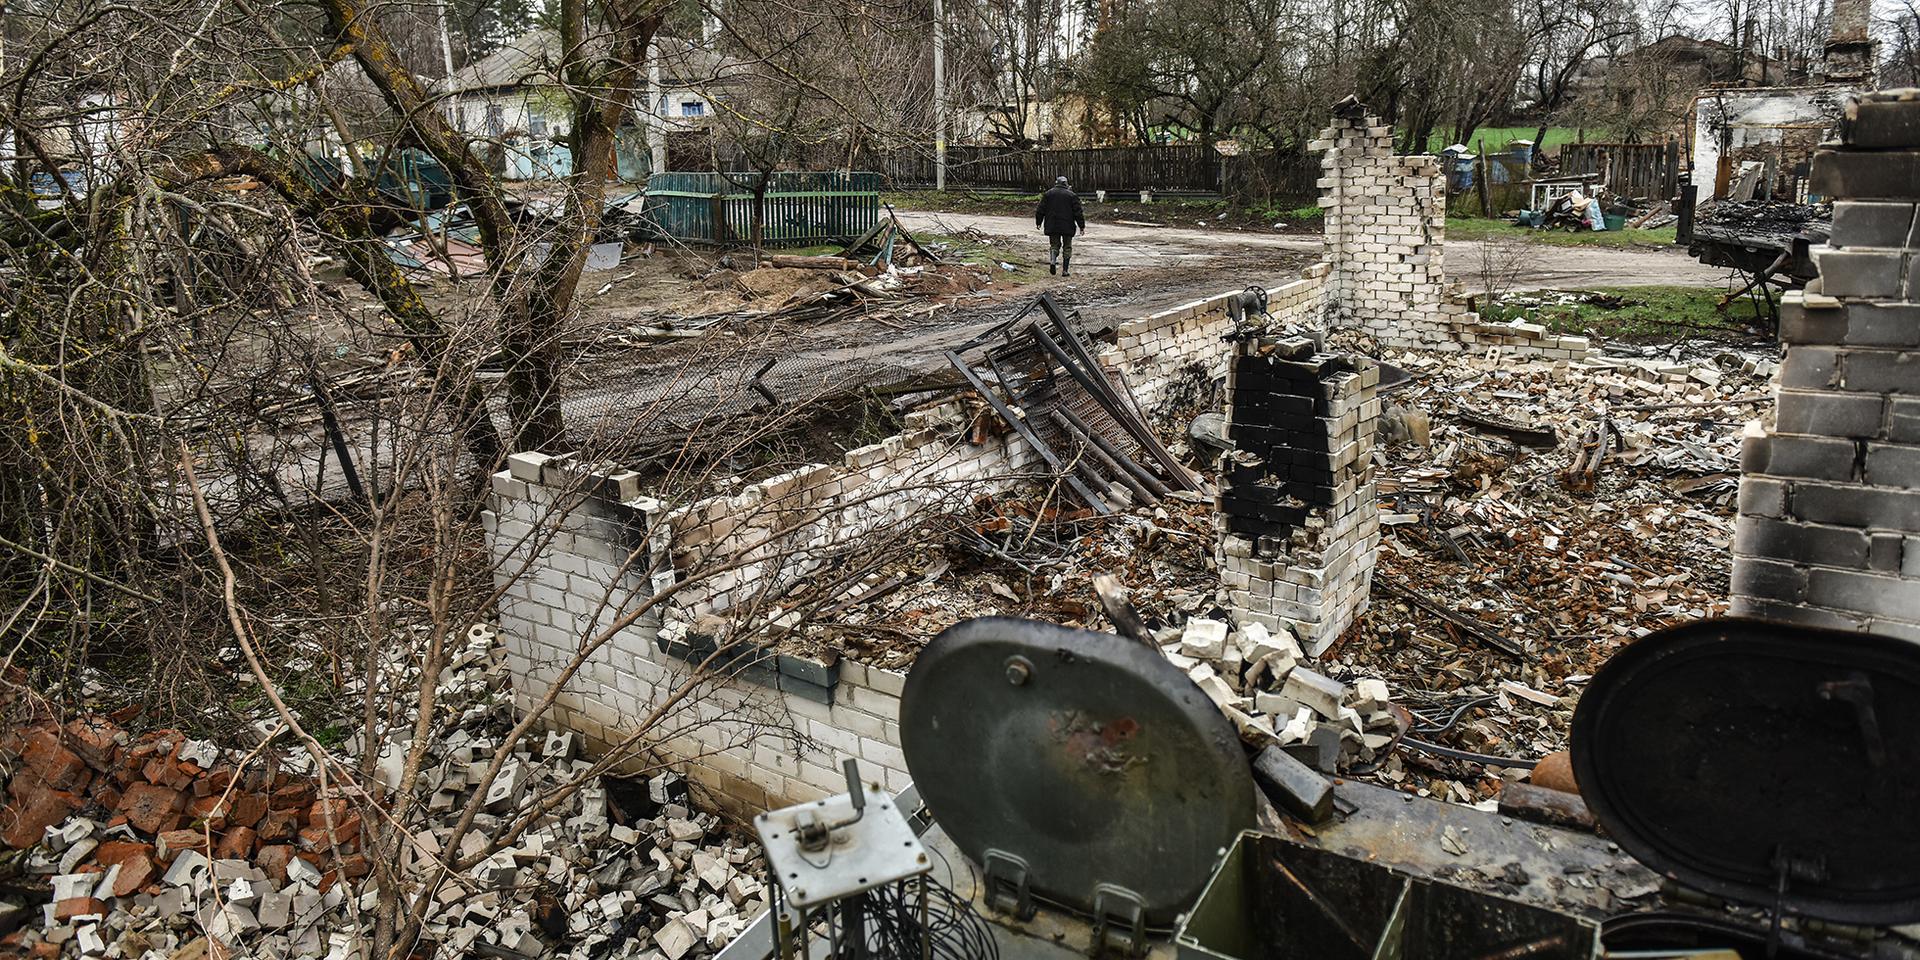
(1722, 752)
(1086, 755)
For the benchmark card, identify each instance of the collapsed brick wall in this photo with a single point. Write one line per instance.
(1829, 527)
(561, 535)
(1298, 523)
(1157, 349)
(1384, 242)
(563, 539)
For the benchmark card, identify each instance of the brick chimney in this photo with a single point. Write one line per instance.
(1851, 51)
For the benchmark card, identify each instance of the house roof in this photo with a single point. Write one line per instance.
(533, 58)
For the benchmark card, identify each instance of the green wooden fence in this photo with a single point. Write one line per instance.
(800, 209)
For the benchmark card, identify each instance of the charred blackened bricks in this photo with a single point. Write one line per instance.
(1296, 493)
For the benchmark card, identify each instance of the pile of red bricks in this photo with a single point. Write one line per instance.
(172, 802)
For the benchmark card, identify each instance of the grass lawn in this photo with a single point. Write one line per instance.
(1496, 138)
(1632, 313)
(1477, 228)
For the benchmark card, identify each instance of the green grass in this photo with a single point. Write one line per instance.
(1476, 228)
(986, 256)
(1631, 313)
(1497, 138)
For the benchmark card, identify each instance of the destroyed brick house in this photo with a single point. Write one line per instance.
(1756, 140)
(575, 529)
(1825, 533)
(1280, 561)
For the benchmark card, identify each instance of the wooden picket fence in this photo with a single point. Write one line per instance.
(1271, 177)
(1649, 170)
(1187, 168)
(800, 209)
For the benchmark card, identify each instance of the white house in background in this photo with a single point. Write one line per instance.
(511, 96)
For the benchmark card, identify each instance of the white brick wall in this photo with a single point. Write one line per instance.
(750, 745)
(1385, 242)
(1829, 527)
(1156, 348)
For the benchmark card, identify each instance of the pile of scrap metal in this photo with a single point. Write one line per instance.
(1766, 240)
(1043, 382)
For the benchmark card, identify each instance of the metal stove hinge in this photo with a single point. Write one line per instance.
(1006, 879)
(1119, 921)
(1788, 866)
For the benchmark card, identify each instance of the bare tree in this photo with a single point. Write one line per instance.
(1008, 60)
(1212, 67)
(1900, 66)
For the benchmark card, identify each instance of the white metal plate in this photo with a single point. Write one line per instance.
(878, 850)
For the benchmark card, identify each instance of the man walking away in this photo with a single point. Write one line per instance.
(1061, 216)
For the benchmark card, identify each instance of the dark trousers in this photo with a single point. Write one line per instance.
(1060, 250)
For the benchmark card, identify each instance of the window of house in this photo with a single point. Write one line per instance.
(692, 108)
(537, 126)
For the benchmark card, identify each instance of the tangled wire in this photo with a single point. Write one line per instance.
(953, 930)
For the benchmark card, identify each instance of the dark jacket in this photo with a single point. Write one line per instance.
(1060, 212)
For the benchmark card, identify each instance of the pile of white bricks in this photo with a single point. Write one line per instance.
(1385, 245)
(1257, 680)
(1829, 529)
(1298, 521)
(222, 855)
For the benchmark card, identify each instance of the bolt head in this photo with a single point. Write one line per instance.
(1019, 669)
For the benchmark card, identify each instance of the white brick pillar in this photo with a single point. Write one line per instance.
(1384, 233)
(1829, 528)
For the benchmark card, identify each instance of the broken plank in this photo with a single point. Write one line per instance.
(1527, 434)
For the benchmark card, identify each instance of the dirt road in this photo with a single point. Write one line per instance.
(1123, 272)
(1111, 248)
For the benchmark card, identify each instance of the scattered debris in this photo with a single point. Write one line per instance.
(1045, 385)
(152, 844)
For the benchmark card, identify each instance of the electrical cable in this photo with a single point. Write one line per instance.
(1421, 746)
(953, 931)
(1432, 728)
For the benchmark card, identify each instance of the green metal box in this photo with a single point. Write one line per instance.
(1277, 899)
